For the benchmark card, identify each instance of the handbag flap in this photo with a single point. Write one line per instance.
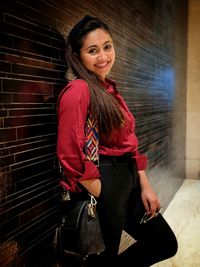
(72, 219)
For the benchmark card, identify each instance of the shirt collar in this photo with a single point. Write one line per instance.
(108, 84)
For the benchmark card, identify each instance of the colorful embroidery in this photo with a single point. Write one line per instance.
(92, 138)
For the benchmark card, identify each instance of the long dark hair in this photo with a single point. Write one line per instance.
(103, 105)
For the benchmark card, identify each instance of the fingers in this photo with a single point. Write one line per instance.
(146, 205)
(154, 206)
(151, 206)
(150, 201)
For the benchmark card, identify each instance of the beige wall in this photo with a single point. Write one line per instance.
(193, 93)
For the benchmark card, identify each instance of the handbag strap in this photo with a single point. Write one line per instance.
(92, 139)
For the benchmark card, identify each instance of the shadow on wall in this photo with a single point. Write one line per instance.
(32, 75)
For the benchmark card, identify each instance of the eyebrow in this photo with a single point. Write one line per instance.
(91, 46)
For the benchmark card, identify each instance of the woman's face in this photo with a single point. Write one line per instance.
(97, 52)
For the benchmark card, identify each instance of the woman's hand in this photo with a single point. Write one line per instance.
(93, 186)
(149, 198)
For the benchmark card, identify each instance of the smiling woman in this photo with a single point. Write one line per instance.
(118, 180)
(98, 53)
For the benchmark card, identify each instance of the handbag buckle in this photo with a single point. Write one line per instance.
(66, 195)
(92, 206)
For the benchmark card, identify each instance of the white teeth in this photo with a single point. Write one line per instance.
(101, 65)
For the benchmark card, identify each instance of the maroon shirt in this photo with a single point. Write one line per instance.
(72, 113)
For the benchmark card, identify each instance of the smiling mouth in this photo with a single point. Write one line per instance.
(102, 65)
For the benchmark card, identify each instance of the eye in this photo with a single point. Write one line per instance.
(108, 47)
(92, 51)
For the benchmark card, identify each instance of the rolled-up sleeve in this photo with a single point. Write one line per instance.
(141, 161)
(72, 113)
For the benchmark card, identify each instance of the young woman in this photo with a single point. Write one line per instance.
(119, 182)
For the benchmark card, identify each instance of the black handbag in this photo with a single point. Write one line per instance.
(78, 234)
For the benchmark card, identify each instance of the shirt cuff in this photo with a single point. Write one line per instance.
(91, 171)
(141, 162)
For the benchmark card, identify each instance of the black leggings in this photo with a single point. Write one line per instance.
(120, 208)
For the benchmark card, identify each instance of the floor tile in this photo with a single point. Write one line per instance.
(183, 215)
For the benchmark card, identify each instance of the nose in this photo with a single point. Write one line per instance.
(101, 56)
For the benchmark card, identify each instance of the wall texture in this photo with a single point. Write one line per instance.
(193, 93)
(150, 38)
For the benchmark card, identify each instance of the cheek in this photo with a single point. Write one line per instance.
(87, 61)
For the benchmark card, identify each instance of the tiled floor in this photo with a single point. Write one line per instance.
(183, 215)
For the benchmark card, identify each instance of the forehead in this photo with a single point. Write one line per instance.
(97, 37)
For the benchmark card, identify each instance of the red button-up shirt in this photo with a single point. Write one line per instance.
(72, 112)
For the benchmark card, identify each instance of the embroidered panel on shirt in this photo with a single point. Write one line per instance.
(92, 138)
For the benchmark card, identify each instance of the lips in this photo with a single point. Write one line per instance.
(102, 65)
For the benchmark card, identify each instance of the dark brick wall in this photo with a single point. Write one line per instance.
(32, 72)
